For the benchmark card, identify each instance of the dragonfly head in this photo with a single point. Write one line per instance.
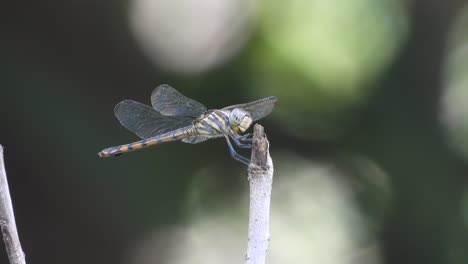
(239, 120)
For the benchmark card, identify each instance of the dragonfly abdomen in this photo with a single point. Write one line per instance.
(175, 135)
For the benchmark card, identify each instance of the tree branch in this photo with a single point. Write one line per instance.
(260, 179)
(7, 219)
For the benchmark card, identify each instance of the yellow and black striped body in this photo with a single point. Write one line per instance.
(212, 125)
(171, 136)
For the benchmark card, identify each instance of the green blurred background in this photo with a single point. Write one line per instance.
(369, 139)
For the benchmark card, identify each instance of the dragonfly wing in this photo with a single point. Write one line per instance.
(169, 102)
(195, 139)
(146, 122)
(257, 109)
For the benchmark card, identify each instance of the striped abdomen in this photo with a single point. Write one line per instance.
(175, 135)
(214, 124)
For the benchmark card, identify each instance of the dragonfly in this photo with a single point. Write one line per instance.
(175, 117)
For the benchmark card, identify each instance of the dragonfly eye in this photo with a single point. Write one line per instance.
(239, 120)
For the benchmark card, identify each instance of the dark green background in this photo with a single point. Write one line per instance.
(65, 64)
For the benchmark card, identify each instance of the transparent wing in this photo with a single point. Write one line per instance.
(169, 102)
(195, 139)
(146, 122)
(257, 109)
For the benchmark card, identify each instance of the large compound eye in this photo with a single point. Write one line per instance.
(239, 120)
(235, 117)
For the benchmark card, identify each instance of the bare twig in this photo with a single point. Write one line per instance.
(7, 219)
(260, 179)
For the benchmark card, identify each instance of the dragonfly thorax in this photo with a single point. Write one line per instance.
(239, 120)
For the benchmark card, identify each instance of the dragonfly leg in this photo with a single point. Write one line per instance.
(240, 141)
(240, 144)
(234, 154)
(246, 138)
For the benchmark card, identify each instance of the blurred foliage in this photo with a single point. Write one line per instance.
(322, 60)
(315, 194)
(454, 108)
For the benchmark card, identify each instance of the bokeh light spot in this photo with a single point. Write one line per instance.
(322, 57)
(189, 37)
(454, 109)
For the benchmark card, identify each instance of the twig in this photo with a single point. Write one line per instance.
(260, 179)
(7, 219)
